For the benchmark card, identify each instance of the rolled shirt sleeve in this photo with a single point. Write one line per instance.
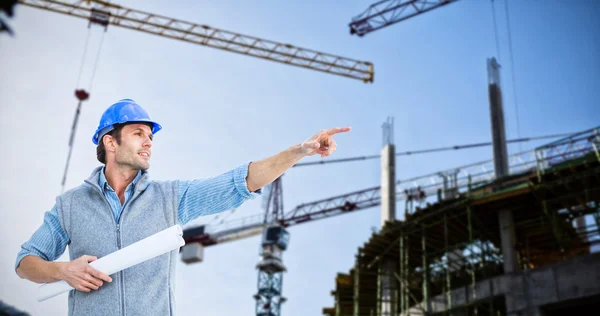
(213, 195)
(48, 242)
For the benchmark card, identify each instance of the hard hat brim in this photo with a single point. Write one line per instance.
(99, 134)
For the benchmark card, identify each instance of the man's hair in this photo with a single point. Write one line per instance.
(101, 150)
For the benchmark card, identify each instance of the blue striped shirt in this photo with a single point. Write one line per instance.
(111, 195)
(196, 198)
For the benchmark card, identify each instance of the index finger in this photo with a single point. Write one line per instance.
(100, 275)
(336, 130)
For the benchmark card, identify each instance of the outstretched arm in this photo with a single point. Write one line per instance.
(263, 172)
(230, 189)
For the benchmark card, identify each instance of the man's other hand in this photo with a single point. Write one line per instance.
(81, 276)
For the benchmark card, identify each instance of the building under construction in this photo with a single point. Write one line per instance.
(447, 257)
(480, 240)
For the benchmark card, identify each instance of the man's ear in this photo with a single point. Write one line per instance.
(110, 143)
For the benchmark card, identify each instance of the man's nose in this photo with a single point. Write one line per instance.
(147, 142)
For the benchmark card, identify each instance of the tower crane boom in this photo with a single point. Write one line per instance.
(388, 12)
(107, 13)
(254, 225)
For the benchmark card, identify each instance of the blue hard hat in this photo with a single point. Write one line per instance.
(124, 111)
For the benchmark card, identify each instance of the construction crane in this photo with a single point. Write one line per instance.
(388, 12)
(105, 13)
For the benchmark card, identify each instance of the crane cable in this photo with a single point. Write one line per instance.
(81, 95)
(496, 31)
(512, 70)
(512, 61)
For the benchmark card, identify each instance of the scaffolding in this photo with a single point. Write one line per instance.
(442, 250)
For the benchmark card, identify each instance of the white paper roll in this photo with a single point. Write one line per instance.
(145, 249)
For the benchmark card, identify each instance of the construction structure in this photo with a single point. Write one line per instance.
(509, 236)
(502, 237)
(448, 253)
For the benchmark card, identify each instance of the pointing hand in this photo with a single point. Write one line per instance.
(322, 143)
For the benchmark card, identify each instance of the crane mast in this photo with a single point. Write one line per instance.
(275, 239)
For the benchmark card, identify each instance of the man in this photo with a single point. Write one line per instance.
(119, 205)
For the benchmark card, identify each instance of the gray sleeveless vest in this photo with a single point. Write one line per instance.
(144, 289)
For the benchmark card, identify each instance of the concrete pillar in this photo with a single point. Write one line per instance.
(580, 227)
(497, 119)
(505, 217)
(507, 235)
(387, 285)
(387, 288)
(388, 184)
(356, 297)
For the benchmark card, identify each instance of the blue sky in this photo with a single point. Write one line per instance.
(220, 109)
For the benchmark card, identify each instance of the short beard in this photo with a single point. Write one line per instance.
(132, 163)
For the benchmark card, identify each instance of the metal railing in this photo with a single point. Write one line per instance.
(453, 181)
(567, 149)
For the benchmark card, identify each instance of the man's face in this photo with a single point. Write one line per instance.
(136, 147)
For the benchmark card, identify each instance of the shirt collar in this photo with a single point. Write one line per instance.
(105, 186)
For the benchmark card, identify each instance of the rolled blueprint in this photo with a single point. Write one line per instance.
(145, 249)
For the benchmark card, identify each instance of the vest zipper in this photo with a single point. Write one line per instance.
(132, 197)
(122, 283)
(118, 231)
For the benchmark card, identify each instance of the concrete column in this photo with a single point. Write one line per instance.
(507, 235)
(357, 284)
(386, 280)
(505, 217)
(387, 287)
(580, 226)
(497, 119)
(388, 184)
